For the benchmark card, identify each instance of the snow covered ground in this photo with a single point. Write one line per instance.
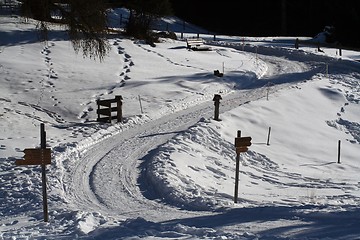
(168, 170)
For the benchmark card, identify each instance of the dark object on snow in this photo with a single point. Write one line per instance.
(297, 43)
(107, 111)
(216, 100)
(218, 73)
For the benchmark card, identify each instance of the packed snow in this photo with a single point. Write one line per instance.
(167, 171)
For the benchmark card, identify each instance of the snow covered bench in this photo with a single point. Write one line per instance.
(196, 44)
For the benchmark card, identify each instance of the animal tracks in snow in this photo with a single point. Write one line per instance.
(123, 76)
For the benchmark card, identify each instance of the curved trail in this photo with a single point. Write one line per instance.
(109, 177)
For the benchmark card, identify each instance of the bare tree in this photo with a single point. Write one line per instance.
(84, 20)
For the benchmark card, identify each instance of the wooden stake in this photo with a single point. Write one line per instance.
(141, 108)
(268, 138)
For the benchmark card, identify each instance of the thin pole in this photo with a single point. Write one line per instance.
(43, 173)
(237, 172)
(339, 148)
(327, 70)
(268, 139)
(141, 108)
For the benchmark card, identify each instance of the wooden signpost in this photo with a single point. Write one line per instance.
(39, 156)
(241, 145)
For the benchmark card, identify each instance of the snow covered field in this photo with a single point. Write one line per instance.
(168, 170)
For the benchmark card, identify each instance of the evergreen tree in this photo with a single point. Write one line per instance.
(142, 15)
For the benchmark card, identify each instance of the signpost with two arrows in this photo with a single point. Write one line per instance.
(241, 145)
(39, 156)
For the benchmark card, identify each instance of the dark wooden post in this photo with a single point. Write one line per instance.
(198, 35)
(43, 172)
(216, 100)
(340, 50)
(214, 37)
(297, 43)
(268, 139)
(237, 169)
(109, 111)
(98, 109)
(119, 108)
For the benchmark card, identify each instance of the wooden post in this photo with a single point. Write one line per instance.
(214, 37)
(98, 111)
(118, 108)
(198, 35)
(297, 43)
(327, 70)
(109, 109)
(237, 169)
(256, 53)
(268, 138)
(216, 100)
(140, 105)
(339, 148)
(43, 173)
(340, 50)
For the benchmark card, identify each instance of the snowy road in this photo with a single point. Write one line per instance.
(167, 171)
(110, 177)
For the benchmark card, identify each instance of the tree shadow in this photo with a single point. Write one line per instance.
(268, 222)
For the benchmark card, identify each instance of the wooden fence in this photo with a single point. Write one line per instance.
(105, 108)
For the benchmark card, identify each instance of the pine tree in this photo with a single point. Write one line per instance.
(143, 13)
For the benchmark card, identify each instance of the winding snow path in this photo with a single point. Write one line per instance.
(108, 178)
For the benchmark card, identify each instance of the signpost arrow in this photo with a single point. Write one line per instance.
(242, 141)
(35, 156)
(241, 149)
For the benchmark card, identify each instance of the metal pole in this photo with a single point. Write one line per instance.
(237, 172)
(43, 173)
